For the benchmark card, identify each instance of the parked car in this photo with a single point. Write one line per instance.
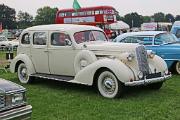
(82, 54)
(176, 29)
(13, 103)
(164, 44)
(4, 42)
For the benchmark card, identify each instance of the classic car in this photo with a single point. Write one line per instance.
(13, 103)
(5, 43)
(164, 44)
(82, 54)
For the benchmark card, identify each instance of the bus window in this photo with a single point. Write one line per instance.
(96, 12)
(61, 14)
(100, 11)
(68, 14)
(92, 12)
(89, 13)
(74, 14)
(81, 13)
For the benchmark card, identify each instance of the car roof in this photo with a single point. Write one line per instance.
(62, 27)
(141, 33)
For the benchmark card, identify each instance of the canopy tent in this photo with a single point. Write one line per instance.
(119, 25)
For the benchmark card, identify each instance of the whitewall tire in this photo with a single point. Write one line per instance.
(109, 86)
(23, 74)
(177, 67)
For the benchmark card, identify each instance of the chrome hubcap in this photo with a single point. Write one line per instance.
(23, 73)
(109, 85)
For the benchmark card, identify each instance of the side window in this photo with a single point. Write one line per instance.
(58, 39)
(39, 38)
(178, 33)
(158, 40)
(25, 39)
(61, 14)
(145, 40)
(130, 40)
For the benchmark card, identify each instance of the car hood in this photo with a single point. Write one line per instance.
(8, 86)
(13, 43)
(110, 46)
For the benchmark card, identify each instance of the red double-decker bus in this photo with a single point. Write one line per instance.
(100, 16)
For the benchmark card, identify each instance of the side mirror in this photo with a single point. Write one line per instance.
(68, 42)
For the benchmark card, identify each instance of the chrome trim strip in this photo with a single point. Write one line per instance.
(18, 112)
(148, 81)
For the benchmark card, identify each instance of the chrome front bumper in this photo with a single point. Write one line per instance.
(21, 113)
(147, 81)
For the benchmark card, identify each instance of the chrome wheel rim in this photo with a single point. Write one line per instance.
(109, 85)
(23, 73)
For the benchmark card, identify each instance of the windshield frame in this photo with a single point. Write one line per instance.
(93, 36)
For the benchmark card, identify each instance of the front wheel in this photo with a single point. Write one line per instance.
(109, 86)
(23, 74)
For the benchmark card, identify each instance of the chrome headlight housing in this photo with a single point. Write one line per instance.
(140, 75)
(150, 54)
(15, 99)
(130, 57)
(126, 56)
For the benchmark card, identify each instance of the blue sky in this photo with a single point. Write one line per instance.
(143, 7)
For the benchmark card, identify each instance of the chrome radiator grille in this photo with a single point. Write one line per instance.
(142, 59)
(2, 101)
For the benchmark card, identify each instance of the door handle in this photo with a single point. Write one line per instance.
(46, 51)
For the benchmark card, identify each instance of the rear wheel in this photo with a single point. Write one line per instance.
(23, 74)
(156, 86)
(108, 85)
(177, 67)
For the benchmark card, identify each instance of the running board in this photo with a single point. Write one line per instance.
(53, 77)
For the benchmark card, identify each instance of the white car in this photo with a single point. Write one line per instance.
(4, 42)
(82, 54)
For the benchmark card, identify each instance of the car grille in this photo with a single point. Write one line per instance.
(142, 60)
(2, 102)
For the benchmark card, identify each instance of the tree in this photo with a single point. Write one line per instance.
(133, 19)
(177, 18)
(45, 15)
(169, 18)
(118, 17)
(24, 19)
(146, 19)
(7, 17)
(159, 17)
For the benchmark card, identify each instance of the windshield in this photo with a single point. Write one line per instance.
(165, 38)
(89, 35)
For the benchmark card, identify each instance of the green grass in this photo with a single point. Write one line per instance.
(52, 100)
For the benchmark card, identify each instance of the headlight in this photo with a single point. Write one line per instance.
(15, 99)
(126, 56)
(150, 54)
(140, 75)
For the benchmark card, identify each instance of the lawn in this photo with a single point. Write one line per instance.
(52, 100)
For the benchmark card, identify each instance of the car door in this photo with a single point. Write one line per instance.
(61, 55)
(39, 52)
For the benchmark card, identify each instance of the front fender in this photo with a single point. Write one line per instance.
(25, 59)
(122, 72)
(157, 63)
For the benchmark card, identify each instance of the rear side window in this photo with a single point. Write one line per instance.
(39, 38)
(178, 33)
(25, 39)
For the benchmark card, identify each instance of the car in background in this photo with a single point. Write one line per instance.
(5, 43)
(13, 102)
(164, 44)
(176, 29)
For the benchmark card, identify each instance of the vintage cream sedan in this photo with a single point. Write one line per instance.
(82, 54)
